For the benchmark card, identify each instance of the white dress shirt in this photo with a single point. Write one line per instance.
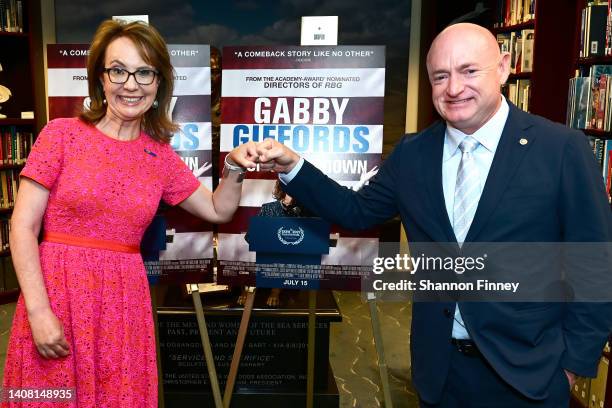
(488, 137)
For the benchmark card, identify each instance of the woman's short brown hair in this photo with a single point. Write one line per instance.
(152, 48)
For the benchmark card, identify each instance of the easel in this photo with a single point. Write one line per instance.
(312, 302)
(308, 250)
(312, 321)
(380, 350)
(160, 378)
(242, 332)
(208, 355)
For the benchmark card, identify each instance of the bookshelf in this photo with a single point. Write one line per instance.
(590, 55)
(589, 105)
(552, 64)
(514, 27)
(514, 39)
(16, 134)
(558, 38)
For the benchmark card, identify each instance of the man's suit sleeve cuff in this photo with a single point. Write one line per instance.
(286, 178)
(579, 367)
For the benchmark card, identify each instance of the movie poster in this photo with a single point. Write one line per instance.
(188, 252)
(326, 103)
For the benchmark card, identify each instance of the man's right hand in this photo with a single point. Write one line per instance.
(48, 334)
(275, 156)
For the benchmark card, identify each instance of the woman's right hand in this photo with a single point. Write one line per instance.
(48, 334)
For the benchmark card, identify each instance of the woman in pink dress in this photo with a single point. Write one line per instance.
(83, 327)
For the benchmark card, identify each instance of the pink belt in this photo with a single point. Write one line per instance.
(61, 238)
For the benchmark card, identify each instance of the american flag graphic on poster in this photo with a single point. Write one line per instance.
(189, 240)
(327, 104)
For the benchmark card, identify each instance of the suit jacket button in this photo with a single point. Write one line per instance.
(448, 313)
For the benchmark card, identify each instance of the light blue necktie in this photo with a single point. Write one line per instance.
(467, 190)
(467, 195)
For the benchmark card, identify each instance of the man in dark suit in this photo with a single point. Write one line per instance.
(487, 173)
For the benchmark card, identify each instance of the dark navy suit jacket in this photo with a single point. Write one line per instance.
(547, 190)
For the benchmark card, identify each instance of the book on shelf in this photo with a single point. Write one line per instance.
(503, 39)
(529, 10)
(4, 181)
(512, 12)
(520, 46)
(602, 150)
(598, 144)
(11, 16)
(15, 144)
(528, 36)
(599, 78)
(4, 233)
(516, 47)
(607, 107)
(523, 89)
(518, 92)
(589, 104)
(600, 111)
(607, 171)
(2, 15)
(594, 31)
(578, 102)
(9, 185)
(608, 49)
(19, 17)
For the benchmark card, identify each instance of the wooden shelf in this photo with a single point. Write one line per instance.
(17, 35)
(605, 59)
(9, 296)
(598, 133)
(15, 121)
(520, 75)
(516, 27)
(11, 166)
(553, 54)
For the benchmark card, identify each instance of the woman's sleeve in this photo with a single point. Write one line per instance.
(44, 163)
(180, 181)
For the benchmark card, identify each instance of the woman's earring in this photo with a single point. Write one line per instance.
(104, 101)
(155, 104)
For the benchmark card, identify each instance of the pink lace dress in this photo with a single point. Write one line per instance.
(103, 194)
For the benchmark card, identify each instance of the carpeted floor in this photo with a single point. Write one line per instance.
(352, 351)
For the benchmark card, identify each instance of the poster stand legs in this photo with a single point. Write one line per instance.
(208, 355)
(312, 320)
(380, 351)
(160, 378)
(242, 332)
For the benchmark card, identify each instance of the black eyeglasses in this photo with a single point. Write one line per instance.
(121, 76)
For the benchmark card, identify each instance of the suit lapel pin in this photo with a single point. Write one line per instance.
(523, 141)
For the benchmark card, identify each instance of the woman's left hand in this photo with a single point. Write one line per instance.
(245, 155)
